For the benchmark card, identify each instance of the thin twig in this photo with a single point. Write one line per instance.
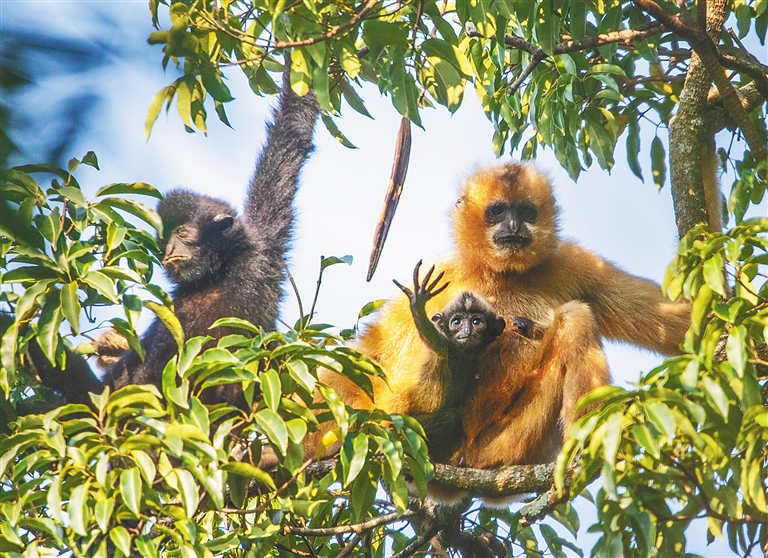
(296, 292)
(349, 528)
(536, 59)
(418, 541)
(350, 546)
(334, 31)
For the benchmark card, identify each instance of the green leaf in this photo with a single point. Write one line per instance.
(103, 512)
(156, 105)
(333, 260)
(300, 372)
(662, 418)
(145, 464)
(91, 160)
(191, 349)
(101, 283)
(736, 349)
(77, 509)
(448, 52)
(121, 538)
(274, 427)
(301, 77)
(658, 163)
(606, 69)
(633, 149)
(249, 471)
(351, 96)
(347, 55)
(187, 488)
(449, 85)
(135, 188)
(743, 19)
(334, 130)
(214, 85)
(70, 306)
(391, 455)
(713, 274)
(336, 406)
(716, 394)
(136, 209)
(353, 457)
(170, 321)
(146, 547)
(612, 438)
(271, 388)
(483, 15)
(130, 489)
(371, 307)
(48, 326)
(643, 436)
(383, 33)
(53, 497)
(547, 27)
(237, 323)
(578, 19)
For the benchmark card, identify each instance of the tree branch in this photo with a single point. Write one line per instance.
(745, 63)
(535, 61)
(332, 32)
(709, 55)
(624, 36)
(491, 483)
(350, 528)
(497, 483)
(716, 116)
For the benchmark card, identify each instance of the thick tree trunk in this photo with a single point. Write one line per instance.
(689, 137)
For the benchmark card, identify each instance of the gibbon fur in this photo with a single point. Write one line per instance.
(507, 250)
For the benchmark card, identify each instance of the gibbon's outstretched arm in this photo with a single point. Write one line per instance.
(629, 308)
(269, 206)
(417, 298)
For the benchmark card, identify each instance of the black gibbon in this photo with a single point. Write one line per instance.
(222, 265)
(508, 252)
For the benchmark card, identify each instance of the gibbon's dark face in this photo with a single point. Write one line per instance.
(511, 223)
(469, 322)
(506, 218)
(467, 330)
(203, 236)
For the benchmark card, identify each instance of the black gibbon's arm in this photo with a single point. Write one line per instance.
(269, 207)
(435, 339)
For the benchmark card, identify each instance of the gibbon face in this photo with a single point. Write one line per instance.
(201, 236)
(469, 323)
(506, 218)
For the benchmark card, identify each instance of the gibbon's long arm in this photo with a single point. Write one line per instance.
(269, 206)
(626, 307)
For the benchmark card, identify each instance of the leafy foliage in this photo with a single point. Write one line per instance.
(691, 440)
(157, 472)
(139, 475)
(150, 473)
(63, 256)
(575, 76)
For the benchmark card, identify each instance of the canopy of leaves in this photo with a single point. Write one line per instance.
(156, 472)
(572, 75)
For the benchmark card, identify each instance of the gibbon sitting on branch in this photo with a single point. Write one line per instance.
(508, 252)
